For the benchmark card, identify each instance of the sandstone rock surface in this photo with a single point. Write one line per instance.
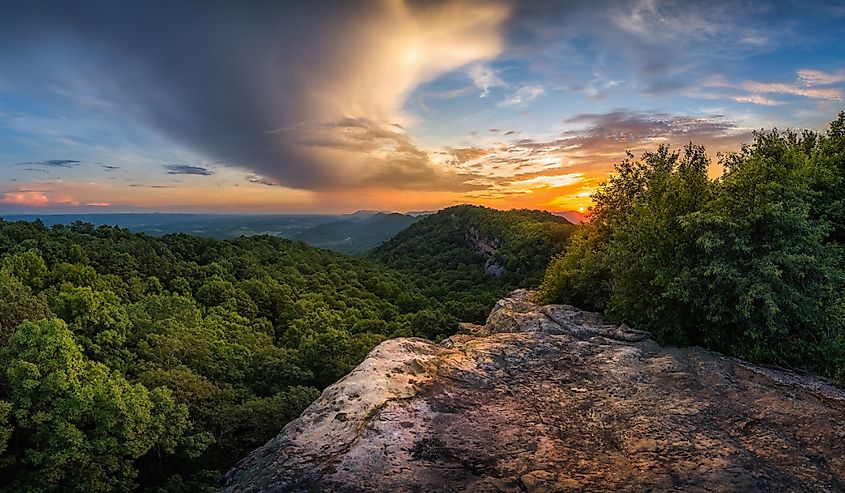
(551, 398)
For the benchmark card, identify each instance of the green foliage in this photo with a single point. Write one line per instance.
(18, 303)
(76, 424)
(27, 266)
(580, 276)
(441, 253)
(203, 349)
(5, 427)
(750, 264)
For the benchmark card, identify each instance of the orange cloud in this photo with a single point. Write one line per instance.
(28, 198)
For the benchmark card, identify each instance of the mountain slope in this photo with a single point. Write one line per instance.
(575, 217)
(553, 399)
(471, 256)
(357, 232)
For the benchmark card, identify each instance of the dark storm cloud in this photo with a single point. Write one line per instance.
(208, 74)
(223, 77)
(183, 169)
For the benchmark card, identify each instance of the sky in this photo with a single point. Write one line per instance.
(335, 106)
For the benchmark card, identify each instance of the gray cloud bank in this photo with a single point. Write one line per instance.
(239, 82)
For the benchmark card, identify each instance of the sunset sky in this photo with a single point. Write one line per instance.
(321, 106)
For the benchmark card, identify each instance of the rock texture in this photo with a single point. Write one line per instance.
(551, 398)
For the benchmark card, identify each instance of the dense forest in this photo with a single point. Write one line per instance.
(130, 361)
(749, 264)
(441, 254)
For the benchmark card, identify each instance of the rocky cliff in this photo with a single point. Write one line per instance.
(487, 247)
(551, 398)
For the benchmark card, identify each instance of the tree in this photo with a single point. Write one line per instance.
(5, 428)
(28, 266)
(99, 322)
(77, 424)
(750, 264)
(18, 303)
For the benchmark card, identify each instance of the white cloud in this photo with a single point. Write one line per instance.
(809, 77)
(830, 94)
(484, 78)
(812, 84)
(758, 100)
(523, 96)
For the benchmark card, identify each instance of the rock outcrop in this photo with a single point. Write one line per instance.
(551, 398)
(487, 247)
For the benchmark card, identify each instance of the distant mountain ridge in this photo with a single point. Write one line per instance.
(358, 232)
(575, 217)
(218, 226)
(347, 233)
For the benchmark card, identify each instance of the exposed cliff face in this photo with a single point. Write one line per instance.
(553, 399)
(488, 247)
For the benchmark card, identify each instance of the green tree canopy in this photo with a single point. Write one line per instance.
(750, 263)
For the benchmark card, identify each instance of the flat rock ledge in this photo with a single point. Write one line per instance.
(553, 399)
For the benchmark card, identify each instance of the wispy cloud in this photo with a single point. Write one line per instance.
(551, 181)
(55, 163)
(795, 89)
(576, 160)
(810, 78)
(378, 155)
(184, 169)
(810, 84)
(523, 96)
(484, 78)
(757, 99)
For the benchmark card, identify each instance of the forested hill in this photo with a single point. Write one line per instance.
(128, 359)
(470, 256)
